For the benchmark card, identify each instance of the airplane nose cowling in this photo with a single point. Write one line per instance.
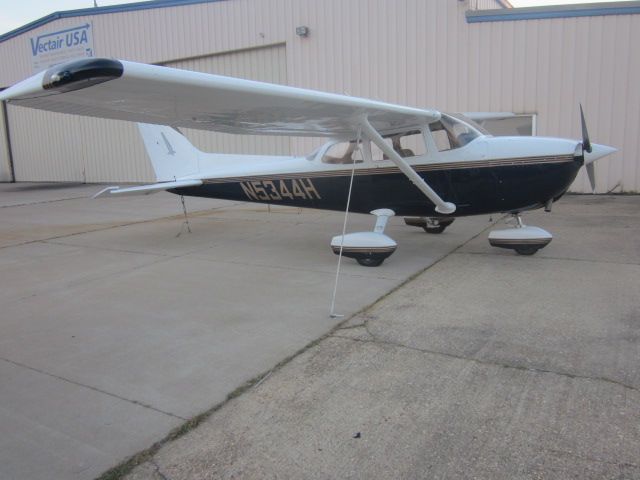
(597, 151)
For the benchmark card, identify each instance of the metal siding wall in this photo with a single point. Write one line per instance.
(416, 52)
(483, 4)
(425, 54)
(43, 148)
(556, 64)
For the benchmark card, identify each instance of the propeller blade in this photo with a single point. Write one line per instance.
(591, 173)
(586, 144)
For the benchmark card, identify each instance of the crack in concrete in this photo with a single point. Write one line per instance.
(95, 389)
(591, 459)
(159, 471)
(377, 340)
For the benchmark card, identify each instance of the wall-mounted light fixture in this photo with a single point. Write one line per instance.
(302, 31)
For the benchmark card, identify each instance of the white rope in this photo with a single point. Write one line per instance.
(332, 313)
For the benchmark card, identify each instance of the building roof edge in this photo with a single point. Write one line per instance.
(554, 11)
(127, 7)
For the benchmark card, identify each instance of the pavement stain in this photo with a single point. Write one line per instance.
(360, 331)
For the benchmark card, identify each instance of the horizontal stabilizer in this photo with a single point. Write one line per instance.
(147, 189)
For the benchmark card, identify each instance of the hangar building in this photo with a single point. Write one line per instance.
(453, 55)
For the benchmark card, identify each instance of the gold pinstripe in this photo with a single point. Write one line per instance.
(391, 170)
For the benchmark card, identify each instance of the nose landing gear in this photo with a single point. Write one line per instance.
(429, 224)
(524, 239)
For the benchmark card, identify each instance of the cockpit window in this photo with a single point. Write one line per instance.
(343, 152)
(406, 144)
(450, 132)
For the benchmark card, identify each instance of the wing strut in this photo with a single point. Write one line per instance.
(417, 180)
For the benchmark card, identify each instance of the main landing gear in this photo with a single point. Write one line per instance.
(524, 239)
(429, 224)
(369, 249)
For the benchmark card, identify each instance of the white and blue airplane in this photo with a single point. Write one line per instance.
(385, 159)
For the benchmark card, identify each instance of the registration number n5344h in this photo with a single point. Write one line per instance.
(274, 190)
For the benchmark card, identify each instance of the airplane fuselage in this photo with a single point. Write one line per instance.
(482, 185)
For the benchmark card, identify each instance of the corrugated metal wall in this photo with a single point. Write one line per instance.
(416, 52)
(483, 4)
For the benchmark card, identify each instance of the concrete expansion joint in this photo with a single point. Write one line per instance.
(110, 227)
(378, 341)
(95, 389)
(352, 327)
(42, 202)
(117, 250)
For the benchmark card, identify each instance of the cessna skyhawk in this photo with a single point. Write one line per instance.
(384, 159)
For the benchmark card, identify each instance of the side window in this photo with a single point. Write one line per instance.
(377, 154)
(408, 144)
(343, 152)
(451, 132)
(440, 137)
(412, 145)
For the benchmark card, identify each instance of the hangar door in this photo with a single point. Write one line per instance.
(57, 147)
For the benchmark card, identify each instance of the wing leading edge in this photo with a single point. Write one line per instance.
(152, 94)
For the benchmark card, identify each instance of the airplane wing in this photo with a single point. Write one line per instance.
(138, 92)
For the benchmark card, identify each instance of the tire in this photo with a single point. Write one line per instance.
(527, 250)
(438, 229)
(370, 262)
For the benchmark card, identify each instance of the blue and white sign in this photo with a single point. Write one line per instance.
(49, 49)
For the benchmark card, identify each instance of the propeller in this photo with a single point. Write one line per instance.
(586, 147)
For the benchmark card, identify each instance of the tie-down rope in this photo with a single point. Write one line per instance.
(332, 313)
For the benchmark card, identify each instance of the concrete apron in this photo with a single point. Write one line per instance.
(487, 366)
(115, 330)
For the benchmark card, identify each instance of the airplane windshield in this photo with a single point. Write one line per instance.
(451, 132)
